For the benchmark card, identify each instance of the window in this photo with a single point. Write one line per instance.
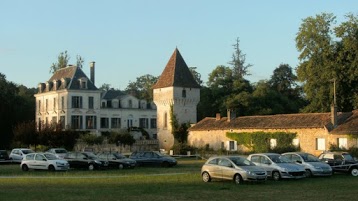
(62, 103)
(109, 103)
(183, 93)
(129, 123)
(320, 144)
(76, 101)
(143, 122)
(54, 120)
(39, 157)
(39, 106)
(255, 159)
(296, 142)
(231, 146)
(62, 121)
(54, 103)
(116, 122)
(130, 104)
(342, 143)
(153, 123)
(76, 122)
(90, 102)
(103, 104)
(165, 120)
(104, 123)
(273, 143)
(91, 122)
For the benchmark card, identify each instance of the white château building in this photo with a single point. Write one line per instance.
(71, 98)
(177, 87)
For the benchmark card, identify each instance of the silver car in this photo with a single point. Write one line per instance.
(277, 166)
(43, 161)
(17, 154)
(235, 168)
(313, 166)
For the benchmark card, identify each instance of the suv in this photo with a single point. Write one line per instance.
(17, 154)
(341, 162)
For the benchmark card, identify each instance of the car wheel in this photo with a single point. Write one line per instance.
(165, 164)
(354, 171)
(120, 166)
(206, 177)
(51, 168)
(24, 168)
(276, 176)
(238, 179)
(308, 173)
(90, 167)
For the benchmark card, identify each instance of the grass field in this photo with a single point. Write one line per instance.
(182, 182)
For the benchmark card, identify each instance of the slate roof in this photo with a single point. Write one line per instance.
(176, 74)
(72, 74)
(113, 94)
(279, 121)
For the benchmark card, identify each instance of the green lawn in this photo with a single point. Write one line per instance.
(182, 182)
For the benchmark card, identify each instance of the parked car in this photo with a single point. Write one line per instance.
(117, 160)
(43, 161)
(17, 154)
(341, 162)
(58, 152)
(312, 165)
(85, 160)
(152, 158)
(235, 168)
(277, 166)
(4, 157)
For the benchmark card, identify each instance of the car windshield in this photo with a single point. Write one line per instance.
(119, 156)
(60, 151)
(241, 161)
(27, 151)
(50, 156)
(91, 156)
(279, 159)
(348, 157)
(309, 158)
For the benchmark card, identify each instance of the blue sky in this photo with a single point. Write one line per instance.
(128, 39)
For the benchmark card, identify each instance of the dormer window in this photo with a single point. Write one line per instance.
(83, 83)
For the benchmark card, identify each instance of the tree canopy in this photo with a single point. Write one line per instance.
(328, 52)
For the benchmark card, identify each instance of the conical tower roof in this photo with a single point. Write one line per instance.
(176, 74)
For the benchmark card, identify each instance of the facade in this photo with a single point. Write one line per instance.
(315, 131)
(69, 97)
(175, 88)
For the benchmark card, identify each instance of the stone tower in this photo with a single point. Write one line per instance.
(177, 87)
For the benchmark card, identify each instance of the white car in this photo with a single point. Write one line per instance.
(17, 154)
(58, 152)
(43, 161)
(277, 166)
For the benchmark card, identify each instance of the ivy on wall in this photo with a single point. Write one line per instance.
(260, 141)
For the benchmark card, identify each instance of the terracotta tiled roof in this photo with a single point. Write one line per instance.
(280, 121)
(176, 74)
(349, 126)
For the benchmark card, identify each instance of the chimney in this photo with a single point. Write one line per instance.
(230, 115)
(218, 117)
(92, 65)
(334, 115)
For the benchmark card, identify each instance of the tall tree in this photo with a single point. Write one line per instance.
(142, 87)
(328, 53)
(62, 61)
(196, 75)
(240, 69)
